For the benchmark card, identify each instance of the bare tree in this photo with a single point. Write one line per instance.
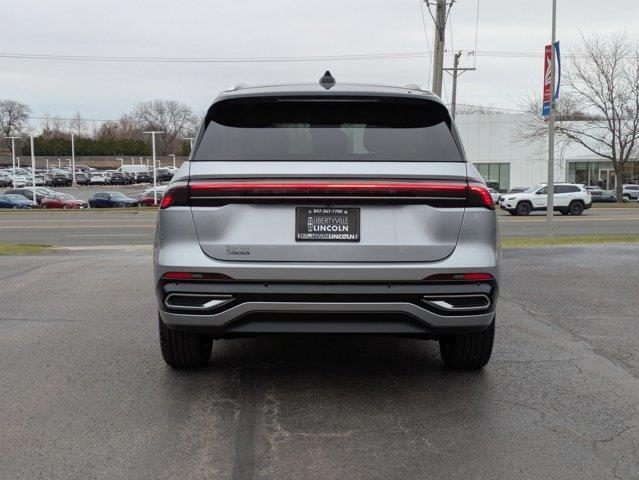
(78, 125)
(53, 126)
(13, 117)
(174, 118)
(600, 110)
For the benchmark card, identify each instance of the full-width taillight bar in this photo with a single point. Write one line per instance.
(444, 193)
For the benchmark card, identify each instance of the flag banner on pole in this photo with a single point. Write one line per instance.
(548, 94)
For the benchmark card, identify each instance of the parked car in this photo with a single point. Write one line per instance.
(82, 179)
(630, 192)
(5, 181)
(494, 194)
(517, 189)
(568, 198)
(603, 196)
(60, 180)
(313, 244)
(117, 178)
(133, 169)
(146, 198)
(143, 177)
(28, 193)
(62, 200)
(130, 176)
(18, 181)
(163, 175)
(98, 179)
(111, 200)
(16, 201)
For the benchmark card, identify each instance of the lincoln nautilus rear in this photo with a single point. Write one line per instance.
(327, 208)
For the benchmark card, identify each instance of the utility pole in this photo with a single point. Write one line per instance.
(155, 190)
(73, 160)
(551, 129)
(456, 73)
(440, 36)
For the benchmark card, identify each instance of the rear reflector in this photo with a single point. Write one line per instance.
(468, 277)
(195, 276)
(221, 192)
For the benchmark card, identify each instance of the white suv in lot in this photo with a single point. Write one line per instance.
(568, 198)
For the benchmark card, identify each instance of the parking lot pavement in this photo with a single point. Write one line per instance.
(134, 227)
(85, 394)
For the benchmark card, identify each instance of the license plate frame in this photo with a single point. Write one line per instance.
(327, 224)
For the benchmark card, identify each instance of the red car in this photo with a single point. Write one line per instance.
(146, 197)
(62, 200)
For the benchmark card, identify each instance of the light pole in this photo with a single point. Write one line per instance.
(551, 129)
(172, 155)
(33, 169)
(13, 157)
(73, 159)
(155, 190)
(17, 160)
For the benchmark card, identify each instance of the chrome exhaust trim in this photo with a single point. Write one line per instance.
(458, 303)
(190, 303)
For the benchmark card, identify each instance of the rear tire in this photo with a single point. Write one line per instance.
(524, 208)
(184, 349)
(576, 208)
(469, 351)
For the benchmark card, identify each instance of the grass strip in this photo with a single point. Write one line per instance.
(22, 248)
(522, 242)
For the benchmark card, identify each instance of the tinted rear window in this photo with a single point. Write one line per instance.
(333, 129)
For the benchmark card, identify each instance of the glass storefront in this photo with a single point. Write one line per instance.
(496, 175)
(601, 173)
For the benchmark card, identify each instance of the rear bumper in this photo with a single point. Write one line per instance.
(258, 308)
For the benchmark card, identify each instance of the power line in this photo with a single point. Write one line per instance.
(319, 58)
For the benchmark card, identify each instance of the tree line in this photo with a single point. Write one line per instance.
(123, 136)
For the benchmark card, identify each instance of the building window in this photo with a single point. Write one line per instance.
(496, 175)
(601, 173)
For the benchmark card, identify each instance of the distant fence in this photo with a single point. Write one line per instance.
(95, 162)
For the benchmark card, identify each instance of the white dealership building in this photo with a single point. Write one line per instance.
(492, 144)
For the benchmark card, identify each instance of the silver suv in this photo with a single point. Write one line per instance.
(327, 208)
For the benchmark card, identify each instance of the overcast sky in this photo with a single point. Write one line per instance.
(276, 28)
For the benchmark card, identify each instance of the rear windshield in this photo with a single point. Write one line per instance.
(337, 129)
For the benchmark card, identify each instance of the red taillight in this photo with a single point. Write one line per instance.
(479, 196)
(328, 188)
(440, 193)
(176, 196)
(195, 276)
(468, 277)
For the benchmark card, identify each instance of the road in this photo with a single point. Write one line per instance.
(85, 394)
(127, 227)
